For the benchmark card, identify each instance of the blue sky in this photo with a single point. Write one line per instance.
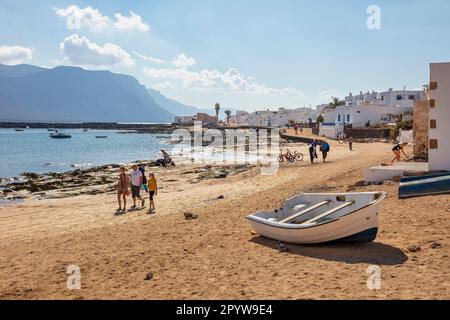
(249, 54)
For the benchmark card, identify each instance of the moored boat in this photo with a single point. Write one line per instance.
(311, 218)
(60, 135)
(101, 137)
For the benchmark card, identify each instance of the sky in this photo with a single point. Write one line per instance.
(250, 55)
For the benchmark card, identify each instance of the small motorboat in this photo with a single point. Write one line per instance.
(19, 130)
(52, 130)
(311, 218)
(101, 137)
(424, 185)
(60, 135)
(85, 130)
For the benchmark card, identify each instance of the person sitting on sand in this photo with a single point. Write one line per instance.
(325, 148)
(167, 160)
(136, 185)
(123, 189)
(152, 191)
(397, 149)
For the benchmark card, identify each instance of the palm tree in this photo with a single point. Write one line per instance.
(217, 108)
(336, 102)
(228, 113)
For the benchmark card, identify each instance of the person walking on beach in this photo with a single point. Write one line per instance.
(296, 128)
(350, 143)
(136, 185)
(325, 148)
(399, 147)
(123, 189)
(311, 152)
(314, 144)
(152, 186)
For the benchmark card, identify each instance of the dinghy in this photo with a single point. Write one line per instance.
(424, 185)
(311, 218)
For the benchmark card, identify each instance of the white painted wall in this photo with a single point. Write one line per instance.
(439, 159)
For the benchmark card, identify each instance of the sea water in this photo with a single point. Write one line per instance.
(33, 150)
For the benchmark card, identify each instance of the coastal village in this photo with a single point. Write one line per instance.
(199, 244)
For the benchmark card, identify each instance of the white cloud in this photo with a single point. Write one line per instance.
(133, 22)
(328, 94)
(163, 85)
(148, 58)
(80, 51)
(231, 80)
(15, 54)
(77, 18)
(183, 61)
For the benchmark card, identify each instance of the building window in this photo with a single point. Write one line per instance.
(348, 118)
(411, 97)
(399, 97)
(339, 118)
(433, 144)
(432, 103)
(433, 124)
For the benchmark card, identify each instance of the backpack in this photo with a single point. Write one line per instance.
(144, 178)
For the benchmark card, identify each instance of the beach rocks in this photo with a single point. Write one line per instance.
(31, 175)
(414, 248)
(436, 245)
(149, 276)
(190, 216)
(221, 197)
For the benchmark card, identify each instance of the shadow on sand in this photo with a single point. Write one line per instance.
(370, 253)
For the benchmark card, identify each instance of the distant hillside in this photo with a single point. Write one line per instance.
(175, 107)
(19, 70)
(180, 109)
(70, 94)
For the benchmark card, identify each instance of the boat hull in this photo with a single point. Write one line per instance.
(424, 185)
(358, 226)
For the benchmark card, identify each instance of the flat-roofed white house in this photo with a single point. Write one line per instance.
(369, 109)
(279, 118)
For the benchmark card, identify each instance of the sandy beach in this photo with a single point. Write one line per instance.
(216, 256)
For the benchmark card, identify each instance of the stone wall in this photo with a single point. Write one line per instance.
(421, 127)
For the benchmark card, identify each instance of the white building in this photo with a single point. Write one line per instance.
(279, 118)
(439, 132)
(369, 109)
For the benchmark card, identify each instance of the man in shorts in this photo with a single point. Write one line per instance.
(136, 185)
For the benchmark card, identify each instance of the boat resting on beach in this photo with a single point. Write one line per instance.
(424, 185)
(311, 218)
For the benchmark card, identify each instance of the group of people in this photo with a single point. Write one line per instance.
(136, 181)
(324, 149)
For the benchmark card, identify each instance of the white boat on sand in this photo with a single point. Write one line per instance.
(311, 218)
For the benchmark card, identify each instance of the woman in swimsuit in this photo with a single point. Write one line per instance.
(123, 189)
(397, 149)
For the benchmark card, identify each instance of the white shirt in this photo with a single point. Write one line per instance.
(136, 178)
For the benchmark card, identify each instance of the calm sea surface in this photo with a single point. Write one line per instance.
(34, 151)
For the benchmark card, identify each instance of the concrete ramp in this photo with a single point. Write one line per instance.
(383, 173)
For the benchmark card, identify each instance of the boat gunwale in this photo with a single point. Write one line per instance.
(251, 217)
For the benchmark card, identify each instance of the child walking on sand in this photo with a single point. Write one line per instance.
(152, 191)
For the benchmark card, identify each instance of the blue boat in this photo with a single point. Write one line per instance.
(424, 185)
